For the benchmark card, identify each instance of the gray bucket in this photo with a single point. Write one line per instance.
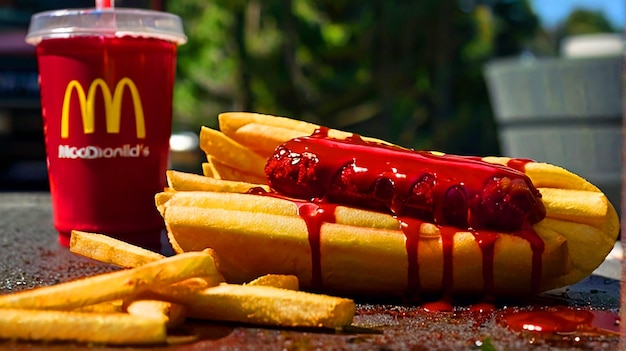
(564, 111)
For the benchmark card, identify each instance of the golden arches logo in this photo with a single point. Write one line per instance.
(112, 106)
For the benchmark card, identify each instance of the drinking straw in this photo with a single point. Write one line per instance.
(105, 4)
(110, 21)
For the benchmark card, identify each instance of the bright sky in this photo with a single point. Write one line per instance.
(552, 12)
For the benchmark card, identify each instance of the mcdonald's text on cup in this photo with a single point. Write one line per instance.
(94, 152)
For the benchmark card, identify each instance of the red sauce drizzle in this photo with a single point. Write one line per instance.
(410, 227)
(518, 163)
(442, 189)
(314, 216)
(447, 244)
(486, 241)
(537, 246)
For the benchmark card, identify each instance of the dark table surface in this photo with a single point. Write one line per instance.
(30, 257)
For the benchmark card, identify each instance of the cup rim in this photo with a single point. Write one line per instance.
(116, 22)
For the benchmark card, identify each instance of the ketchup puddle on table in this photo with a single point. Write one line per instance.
(538, 319)
(548, 325)
(562, 320)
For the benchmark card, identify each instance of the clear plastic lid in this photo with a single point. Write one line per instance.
(108, 22)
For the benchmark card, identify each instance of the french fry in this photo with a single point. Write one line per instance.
(262, 133)
(209, 171)
(114, 306)
(226, 172)
(273, 136)
(210, 168)
(198, 283)
(231, 152)
(265, 305)
(105, 328)
(209, 199)
(282, 281)
(183, 181)
(272, 205)
(172, 313)
(230, 122)
(551, 176)
(581, 206)
(120, 253)
(161, 199)
(109, 250)
(114, 285)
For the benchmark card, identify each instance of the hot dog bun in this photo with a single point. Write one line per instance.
(355, 251)
(363, 253)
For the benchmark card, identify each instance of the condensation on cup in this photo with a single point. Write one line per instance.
(106, 78)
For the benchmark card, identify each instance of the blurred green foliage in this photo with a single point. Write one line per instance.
(579, 21)
(582, 21)
(407, 71)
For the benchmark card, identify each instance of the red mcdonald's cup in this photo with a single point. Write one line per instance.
(106, 78)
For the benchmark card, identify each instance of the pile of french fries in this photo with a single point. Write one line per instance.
(364, 252)
(151, 294)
